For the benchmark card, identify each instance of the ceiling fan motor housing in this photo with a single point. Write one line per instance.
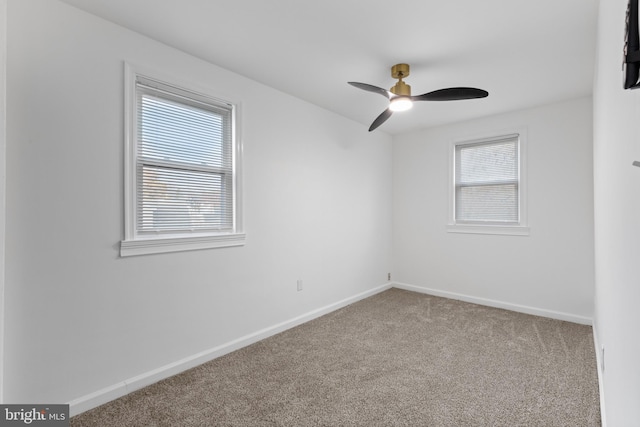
(400, 71)
(401, 89)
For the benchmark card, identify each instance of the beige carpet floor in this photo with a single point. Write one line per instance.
(397, 358)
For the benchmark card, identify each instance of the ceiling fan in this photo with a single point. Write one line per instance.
(400, 98)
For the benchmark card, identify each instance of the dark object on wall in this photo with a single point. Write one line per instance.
(631, 61)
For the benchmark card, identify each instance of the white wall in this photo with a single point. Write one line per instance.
(79, 318)
(617, 222)
(550, 271)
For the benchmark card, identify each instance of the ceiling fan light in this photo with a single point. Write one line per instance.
(400, 103)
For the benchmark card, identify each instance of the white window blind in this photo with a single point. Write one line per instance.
(184, 162)
(487, 181)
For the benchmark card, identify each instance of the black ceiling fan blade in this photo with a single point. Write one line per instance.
(452, 94)
(381, 119)
(371, 88)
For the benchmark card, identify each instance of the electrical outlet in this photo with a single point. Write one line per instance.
(300, 286)
(602, 359)
(388, 276)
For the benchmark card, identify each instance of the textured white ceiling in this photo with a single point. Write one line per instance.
(525, 53)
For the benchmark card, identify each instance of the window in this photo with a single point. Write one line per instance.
(488, 186)
(181, 173)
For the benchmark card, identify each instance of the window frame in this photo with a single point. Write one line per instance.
(136, 243)
(519, 228)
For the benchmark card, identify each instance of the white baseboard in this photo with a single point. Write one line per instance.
(498, 304)
(600, 366)
(130, 385)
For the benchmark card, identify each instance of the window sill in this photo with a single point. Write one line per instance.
(179, 244)
(504, 230)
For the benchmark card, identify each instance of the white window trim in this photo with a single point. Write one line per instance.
(520, 229)
(134, 244)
